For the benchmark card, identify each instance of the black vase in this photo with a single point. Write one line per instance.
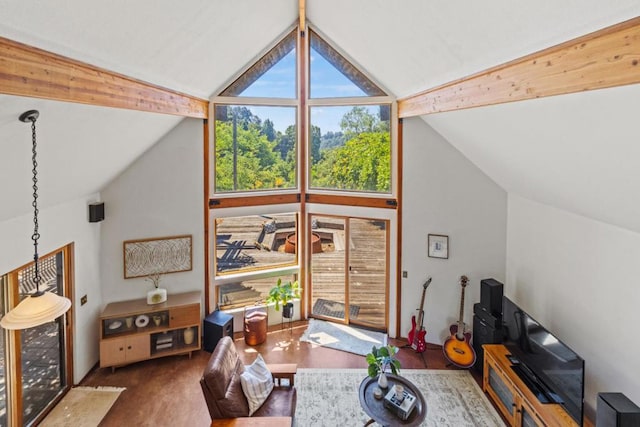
(287, 310)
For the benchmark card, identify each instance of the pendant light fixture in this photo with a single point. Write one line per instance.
(40, 307)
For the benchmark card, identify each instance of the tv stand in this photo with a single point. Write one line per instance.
(515, 392)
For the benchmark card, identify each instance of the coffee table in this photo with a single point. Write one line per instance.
(375, 407)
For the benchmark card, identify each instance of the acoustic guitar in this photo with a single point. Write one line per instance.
(417, 334)
(456, 348)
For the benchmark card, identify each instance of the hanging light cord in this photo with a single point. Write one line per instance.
(36, 235)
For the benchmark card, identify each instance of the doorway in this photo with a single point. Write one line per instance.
(35, 363)
(349, 270)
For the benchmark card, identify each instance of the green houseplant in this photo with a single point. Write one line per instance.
(381, 359)
(282, 294)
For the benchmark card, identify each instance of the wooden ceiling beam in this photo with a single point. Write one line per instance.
(32, 72)
(302, 15)
(606, 58)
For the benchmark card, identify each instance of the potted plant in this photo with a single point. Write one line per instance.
(282, 294)
(381, 359)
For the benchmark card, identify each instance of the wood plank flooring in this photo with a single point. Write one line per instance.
(166, 391)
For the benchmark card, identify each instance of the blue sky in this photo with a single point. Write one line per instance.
(326, 81)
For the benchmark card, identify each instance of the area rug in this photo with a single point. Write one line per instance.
(324, 307)
(329, 397)
(82, 407)
(342, 337)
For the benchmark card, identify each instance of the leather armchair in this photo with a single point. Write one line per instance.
(223, 391)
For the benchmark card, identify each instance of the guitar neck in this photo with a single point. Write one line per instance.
(463, 283)
(421, 312)
(460, 322)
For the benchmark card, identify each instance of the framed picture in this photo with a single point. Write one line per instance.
(438, 246)
(157, 255)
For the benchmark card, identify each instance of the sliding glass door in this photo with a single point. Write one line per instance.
(35, 362)
(42, 347)
(349, 270)
(3, 358)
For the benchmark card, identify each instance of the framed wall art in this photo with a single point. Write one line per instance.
(438, 246)
(159, 255)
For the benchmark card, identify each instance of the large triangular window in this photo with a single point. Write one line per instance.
(332, 76)
(346, 118)
(255, 144)
(273, 76)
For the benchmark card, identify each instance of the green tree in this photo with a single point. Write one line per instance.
(362, 164)
(316, 140)
(268, 130)
(331, 140)
(258, 163)
(287, 141)
(358, 121)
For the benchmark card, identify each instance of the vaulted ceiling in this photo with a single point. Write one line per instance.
(576, 152)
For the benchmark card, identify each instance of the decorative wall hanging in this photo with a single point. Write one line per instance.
(438, 246)
(157, 255)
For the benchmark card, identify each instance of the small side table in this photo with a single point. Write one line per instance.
(216, 326)
(255, 325)
(375, 407)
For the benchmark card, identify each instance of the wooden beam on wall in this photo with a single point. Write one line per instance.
(606, 58)
(32, 72)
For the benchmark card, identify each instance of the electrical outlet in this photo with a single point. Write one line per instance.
(405, 274)
(83, 300)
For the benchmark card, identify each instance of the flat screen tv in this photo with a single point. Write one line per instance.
(551, 370)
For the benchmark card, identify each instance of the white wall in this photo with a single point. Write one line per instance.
(159, 195)
(446, 194)
(59, 226)
(579, 278)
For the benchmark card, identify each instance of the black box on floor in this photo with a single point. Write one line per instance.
(616, 410)
(216, 326)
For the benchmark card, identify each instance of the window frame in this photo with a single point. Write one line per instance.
(220, 205)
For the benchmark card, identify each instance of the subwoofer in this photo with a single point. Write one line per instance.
(616, 410)
(483, 333)
(491, 296)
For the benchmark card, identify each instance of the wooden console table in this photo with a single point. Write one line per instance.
(512, 397)
(131, 331)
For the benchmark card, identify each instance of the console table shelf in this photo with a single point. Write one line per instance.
(131, 331)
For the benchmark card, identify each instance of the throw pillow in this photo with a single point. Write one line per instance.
(257, 383)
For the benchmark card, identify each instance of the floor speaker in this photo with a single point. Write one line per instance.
(616, 410)
(491, 296)
(216, 326)
(483, 333)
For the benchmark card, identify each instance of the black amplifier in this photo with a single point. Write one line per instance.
(486, 317)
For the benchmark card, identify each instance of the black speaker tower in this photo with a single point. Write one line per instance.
(487, 319)
(616, 410)
(491, 296)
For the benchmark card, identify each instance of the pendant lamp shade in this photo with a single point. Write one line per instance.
(40, 307)
(36, 310)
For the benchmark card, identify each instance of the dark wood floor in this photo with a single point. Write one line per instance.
(166, 391)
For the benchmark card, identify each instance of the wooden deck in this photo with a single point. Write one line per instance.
(251, 243)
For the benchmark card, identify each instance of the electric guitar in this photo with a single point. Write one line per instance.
(416, 335)
(456, 348)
